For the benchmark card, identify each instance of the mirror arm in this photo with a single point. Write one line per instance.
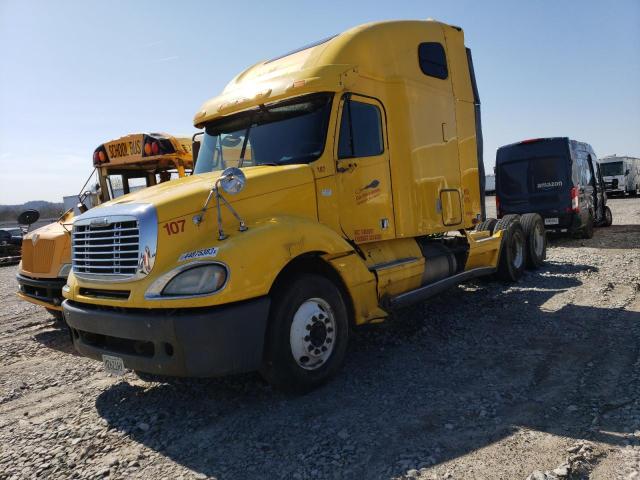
(198, 218)
(221, 234)
(243, 227)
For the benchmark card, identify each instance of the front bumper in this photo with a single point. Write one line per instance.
(41, 291)
(197, 342)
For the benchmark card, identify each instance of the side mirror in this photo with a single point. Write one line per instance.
(81, 207)
(231, 141)
(28, 217)
(195, 150)
(232, 180)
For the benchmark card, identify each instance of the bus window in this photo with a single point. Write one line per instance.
(136, 183)
(116, 185)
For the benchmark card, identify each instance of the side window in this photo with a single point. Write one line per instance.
(590, 173)
(360, 130)
(433, 60)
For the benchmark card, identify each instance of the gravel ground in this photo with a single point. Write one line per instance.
(540, 379)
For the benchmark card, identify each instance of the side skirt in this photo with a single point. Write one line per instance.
(426, 291)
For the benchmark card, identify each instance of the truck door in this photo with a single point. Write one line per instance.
(362, 163)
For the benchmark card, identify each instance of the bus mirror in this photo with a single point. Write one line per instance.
(28, 217)
(195, 149)
(81, 207)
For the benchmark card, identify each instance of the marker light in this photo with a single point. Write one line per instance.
(155, 148)
(147, 148)
(102, 156)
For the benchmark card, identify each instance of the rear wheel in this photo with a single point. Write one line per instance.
(536, 239)
(607, 217)
(587, 230)
(307, 334)
(512, 249)
(487, 225)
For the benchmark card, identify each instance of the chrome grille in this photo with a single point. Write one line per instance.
(108, 248)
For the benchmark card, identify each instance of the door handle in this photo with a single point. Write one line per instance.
(349, 168)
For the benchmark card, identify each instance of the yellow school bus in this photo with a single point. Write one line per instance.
(122, 166)
(333, 185)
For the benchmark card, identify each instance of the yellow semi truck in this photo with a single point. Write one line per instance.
(122, 165)
(333, 185)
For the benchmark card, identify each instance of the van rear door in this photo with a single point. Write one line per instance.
(534, 177)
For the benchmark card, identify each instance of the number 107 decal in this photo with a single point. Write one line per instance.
(174, 227)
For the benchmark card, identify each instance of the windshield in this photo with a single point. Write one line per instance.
(282, 133)
(611, 169)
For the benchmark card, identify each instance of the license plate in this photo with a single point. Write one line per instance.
(113, 365)
(551, 221)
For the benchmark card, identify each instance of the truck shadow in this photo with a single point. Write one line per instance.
(487, 360)
(615, 236)
(56, 337)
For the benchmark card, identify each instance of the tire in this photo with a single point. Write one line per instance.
(536, 239)
(607, 217)
(587, 230)
(486, 226)
(307, 334)
(512, 249)
(56, 314)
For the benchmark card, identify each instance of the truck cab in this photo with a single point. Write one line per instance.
(332, 186)
(120, 166)
(621, 175)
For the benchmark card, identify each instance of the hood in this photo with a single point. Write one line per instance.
(49, 232)
(187, 195)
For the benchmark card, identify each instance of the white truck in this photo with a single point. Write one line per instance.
(621, 175)
(490, 185)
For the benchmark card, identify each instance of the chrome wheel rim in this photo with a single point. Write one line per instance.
(312, 335)
(538, 240)
(518, 251)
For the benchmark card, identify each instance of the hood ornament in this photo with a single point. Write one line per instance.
(232, 181)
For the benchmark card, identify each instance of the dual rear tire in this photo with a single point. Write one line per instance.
(524, 244)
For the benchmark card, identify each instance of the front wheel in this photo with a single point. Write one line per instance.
(307, 334)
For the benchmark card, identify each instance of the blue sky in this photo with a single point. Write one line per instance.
(75, 74)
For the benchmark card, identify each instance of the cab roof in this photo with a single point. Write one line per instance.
(326, 65)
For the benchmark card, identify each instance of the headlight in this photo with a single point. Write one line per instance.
(64, 270)
(198, 280)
